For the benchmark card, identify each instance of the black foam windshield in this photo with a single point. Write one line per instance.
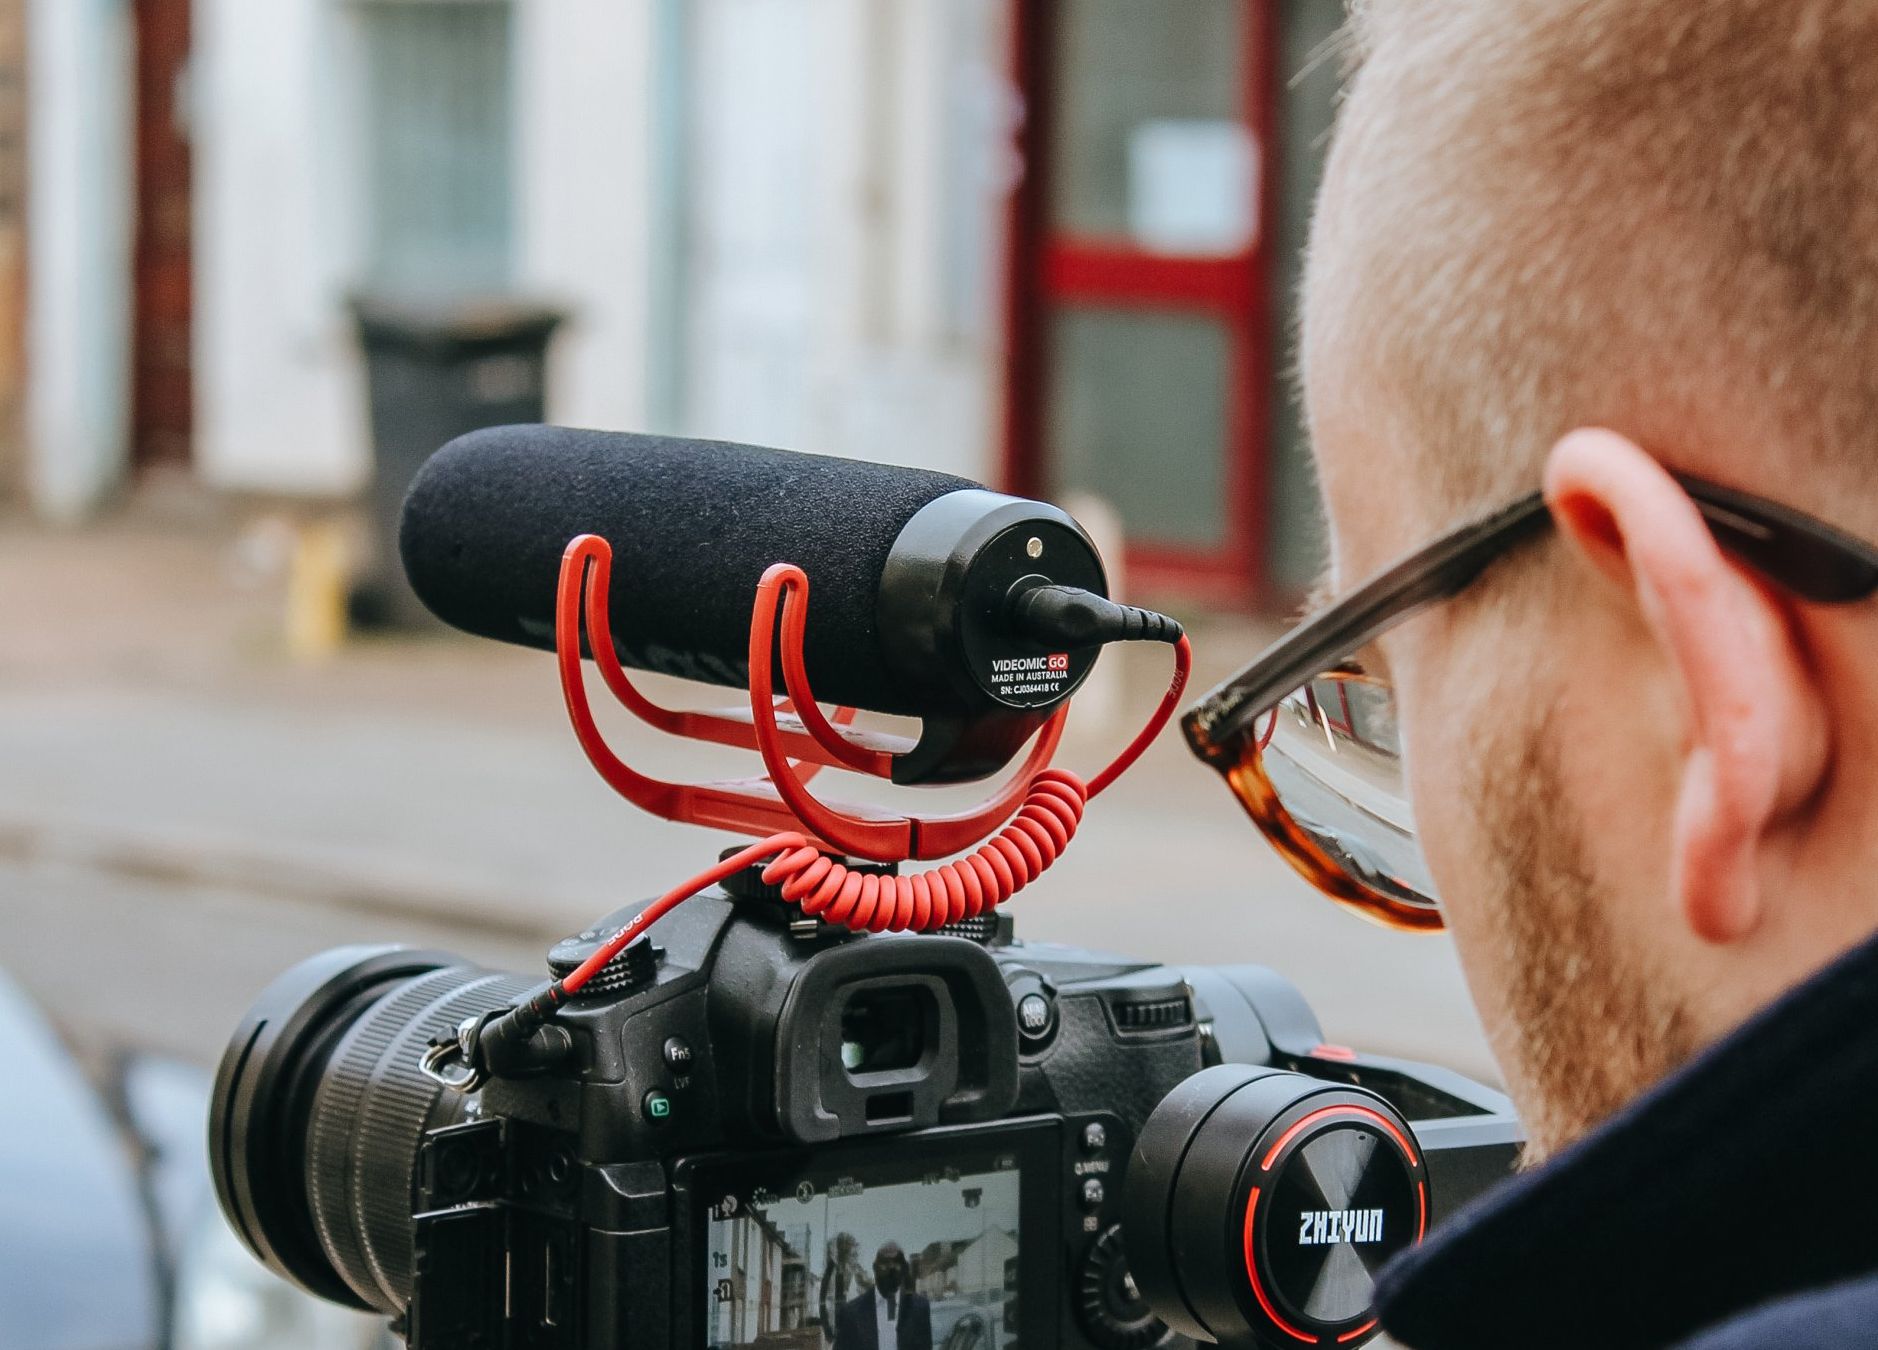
(693, 526)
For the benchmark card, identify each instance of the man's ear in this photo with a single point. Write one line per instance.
(1755, 747)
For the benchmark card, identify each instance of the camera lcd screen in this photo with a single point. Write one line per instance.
(891, 1251)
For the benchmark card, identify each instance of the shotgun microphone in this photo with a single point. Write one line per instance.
(930, 596)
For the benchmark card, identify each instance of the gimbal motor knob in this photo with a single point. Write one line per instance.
(1259, 1204)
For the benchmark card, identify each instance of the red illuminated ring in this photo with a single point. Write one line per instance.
(1374, 1117)
(1252, 1204)
(1258, 1288)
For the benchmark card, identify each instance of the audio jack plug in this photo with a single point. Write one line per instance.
(1068, 616)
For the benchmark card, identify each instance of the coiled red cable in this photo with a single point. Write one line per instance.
(998, 869)
(988, 876)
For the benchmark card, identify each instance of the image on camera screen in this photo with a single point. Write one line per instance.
(924, 1264)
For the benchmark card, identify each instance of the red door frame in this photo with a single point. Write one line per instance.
(1045, 268)
(162, 397)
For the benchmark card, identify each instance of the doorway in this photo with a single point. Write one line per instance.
(162, 396)
(1137, 306)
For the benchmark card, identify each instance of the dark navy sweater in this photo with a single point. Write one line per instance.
(1732, 1207)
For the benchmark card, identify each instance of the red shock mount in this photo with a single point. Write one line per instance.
(794, 738)
(1034, 814)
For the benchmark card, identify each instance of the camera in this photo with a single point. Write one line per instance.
(756, 1129)
(804, 1101)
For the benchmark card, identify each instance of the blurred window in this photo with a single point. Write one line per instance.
(1137, 398)
(1149, 145)
(439, 145)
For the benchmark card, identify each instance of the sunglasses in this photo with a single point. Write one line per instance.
(1307, 740)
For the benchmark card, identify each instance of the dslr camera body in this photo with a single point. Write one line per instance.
(759, 1132)
(744, 1128)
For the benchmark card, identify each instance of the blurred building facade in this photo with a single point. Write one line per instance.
(1045, 243)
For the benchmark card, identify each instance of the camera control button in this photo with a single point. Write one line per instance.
(1033, 998)
(1093, 1193)
(1034, 1016)
(1113, 1312)
(677, 1054)
(658, 1107)
(1094, 1137)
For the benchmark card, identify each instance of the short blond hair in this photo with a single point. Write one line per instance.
(1659, 215)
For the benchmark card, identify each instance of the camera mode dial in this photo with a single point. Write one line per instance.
(632, 969)
(1259, 1205)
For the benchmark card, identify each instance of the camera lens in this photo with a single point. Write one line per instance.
(885, 1029)
(320, 1107)
(1259, 1204)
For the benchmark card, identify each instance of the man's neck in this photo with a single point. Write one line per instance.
(1795, 944)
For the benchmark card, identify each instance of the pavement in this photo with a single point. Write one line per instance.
(185, 809)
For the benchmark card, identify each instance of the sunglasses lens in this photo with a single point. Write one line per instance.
(1322, 776)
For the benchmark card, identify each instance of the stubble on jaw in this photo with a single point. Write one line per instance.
(1585, 1026)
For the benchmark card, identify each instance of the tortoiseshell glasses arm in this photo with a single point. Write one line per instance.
(1808, 557)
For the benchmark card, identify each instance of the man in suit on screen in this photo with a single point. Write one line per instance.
(890, 1316)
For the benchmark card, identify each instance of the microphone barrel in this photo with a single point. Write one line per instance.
(907, 568)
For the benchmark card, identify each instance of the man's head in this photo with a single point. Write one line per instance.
(1573, 242)
(890, 1268)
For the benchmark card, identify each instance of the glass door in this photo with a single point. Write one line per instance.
(1139, 334)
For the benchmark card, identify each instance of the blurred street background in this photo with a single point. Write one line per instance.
(250, 251)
